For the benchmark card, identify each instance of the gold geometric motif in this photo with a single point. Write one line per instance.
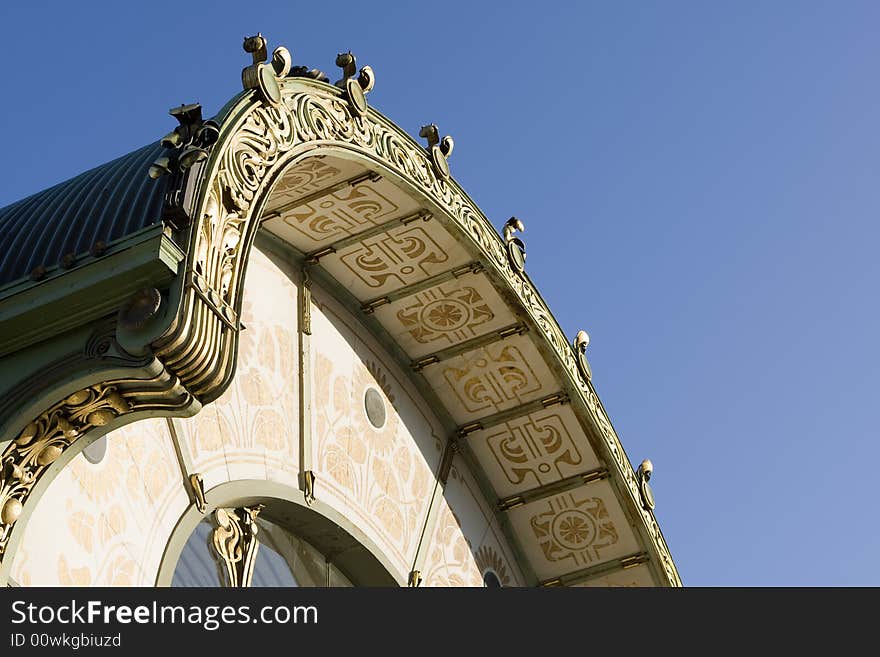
(402, 256)
(308, 177)
(452, 315)
(574, 529)
(534, 447)
(341, 213)
(488, 382)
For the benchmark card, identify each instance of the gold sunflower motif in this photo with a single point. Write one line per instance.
(575, 530)
(445, 315)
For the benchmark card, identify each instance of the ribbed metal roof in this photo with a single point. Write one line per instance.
(103, 204)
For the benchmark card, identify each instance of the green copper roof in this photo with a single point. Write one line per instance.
(100, 205)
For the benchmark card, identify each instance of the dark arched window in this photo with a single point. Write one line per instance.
(282, 559)
(490, 580)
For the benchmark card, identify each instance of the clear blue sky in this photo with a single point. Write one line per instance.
(700, 186)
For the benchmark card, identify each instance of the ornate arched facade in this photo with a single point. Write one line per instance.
(298, 320)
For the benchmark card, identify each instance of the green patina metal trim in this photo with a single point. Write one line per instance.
(470, 345)
(586, 574)
(64, 223)
(93, 290)
(548, 490)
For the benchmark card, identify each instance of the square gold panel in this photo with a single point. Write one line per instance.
(491, 379)
(578, 529)
(533, 450)
(309, 177)
(386, 262)
(445, 315)
(342, 213)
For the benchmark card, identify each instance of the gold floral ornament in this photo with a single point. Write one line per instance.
(440, 150)
(574, 529)
(355, 88)
(234, 542)
(488, 559)
(445, 315)
(42, 441)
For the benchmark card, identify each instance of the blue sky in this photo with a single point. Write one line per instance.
(700, 185)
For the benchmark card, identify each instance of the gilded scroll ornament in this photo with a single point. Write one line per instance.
(308, 486)
(234, 542)
(305, 303)
(42, 441)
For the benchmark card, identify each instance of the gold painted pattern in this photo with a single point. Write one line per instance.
(29, 457)
(401, 257)
(342, 213)
(449, 314)
(533, 448)
(252, 428)
(489, 383)
(488, 559)
(110, 522)
(304, 178)
(379, 473)
(450, 560)
(573, 529)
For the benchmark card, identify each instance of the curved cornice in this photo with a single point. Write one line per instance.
(218, 206)
(258, 141)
